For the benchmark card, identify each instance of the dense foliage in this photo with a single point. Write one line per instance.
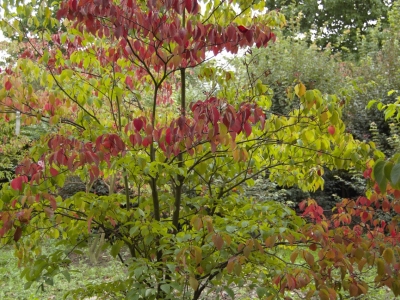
(113, 87)
(337, 22)
(11, 150)
(375, 77)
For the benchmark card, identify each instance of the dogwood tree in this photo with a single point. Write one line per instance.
(112, 86)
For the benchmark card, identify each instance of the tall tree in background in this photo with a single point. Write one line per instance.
(37, 17)
(339, 22)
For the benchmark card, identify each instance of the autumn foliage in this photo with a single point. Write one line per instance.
(112, 86)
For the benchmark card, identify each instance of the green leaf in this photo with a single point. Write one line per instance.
(389, 112)
(116, 248)
(230, 292)
(150, 292)
(261, 292)
(395, 175)
(138, 272)
(379, 174)
(310, 95)
(27, 285)
(371, 103)
(166, 288)
(396, 288)
(63, 37)
(380, 265)
(230, 228)
(388, 169)
(45, 57)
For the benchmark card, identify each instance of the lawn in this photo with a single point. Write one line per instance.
(81, 270)
(108, 269)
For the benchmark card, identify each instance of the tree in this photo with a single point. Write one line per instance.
(120, 71)
(11, 150)
(337, 22)
(373, 78)
(33, 16)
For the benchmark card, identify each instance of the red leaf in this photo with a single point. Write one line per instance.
(247, 128)
(50, 213)
(377, 189)
(367, 173)
(136, 139)
(70, 162)
(138, 123)
(92, 157)
(16, 183)
(230, 265)
(53, 172)
(302, 205)
(146, 141)
(119, 32)
(149, 129)
(13, 203)
(363, 200)
(60, 158)
(94, 173)
(132, 139)
(17, 234)
(112, 221)
(236, 126)
(99, 141)
(168, 136)
(249, 36)
(364, 216)
(277, 280)
(192, 6)
(331, 130)
(73, 4)
(218, 241)
(8, 85)
(385, 206)
(129, 82)
(52, 201)
(215, 115)
(231, 33)
(181, 122)
(118, 143)
(242, 29)
(291, 282)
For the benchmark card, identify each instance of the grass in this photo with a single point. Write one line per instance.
(12, 286)
(109, 269)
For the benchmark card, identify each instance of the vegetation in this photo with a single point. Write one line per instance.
(11, 150)
(82, 273)
(337, 22)
(130, 98)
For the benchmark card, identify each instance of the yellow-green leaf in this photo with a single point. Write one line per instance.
(300, 89)
(388, 255)
(193, 283)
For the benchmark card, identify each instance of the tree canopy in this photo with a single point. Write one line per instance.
(338, 22)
